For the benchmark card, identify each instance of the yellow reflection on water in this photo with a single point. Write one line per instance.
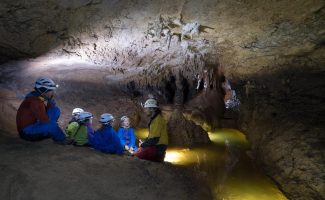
(232, 135)
(230, 172)
(176, 156)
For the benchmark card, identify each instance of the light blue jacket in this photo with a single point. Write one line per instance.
(127, 137)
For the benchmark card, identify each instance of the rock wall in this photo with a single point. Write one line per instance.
(271, 51)
(283, 114)
(185, 133)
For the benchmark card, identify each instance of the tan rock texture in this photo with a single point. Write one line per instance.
(185, 133)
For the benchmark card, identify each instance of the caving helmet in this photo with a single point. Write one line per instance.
(106, 118)
(77, 111)
(151, 103)
(84, 116)
(44, 85)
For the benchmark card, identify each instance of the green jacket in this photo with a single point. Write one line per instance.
(78, 133)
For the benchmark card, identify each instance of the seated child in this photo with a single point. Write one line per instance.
(79, 129)
(105, 138)
(73, 124)
(126, 135)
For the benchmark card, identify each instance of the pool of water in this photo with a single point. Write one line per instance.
(226, 166)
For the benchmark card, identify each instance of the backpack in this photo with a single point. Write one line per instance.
(78, 133)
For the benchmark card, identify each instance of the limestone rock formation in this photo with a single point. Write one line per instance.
(206, 109)
(185, 133)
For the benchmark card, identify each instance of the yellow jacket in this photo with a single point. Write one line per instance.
(158, 128)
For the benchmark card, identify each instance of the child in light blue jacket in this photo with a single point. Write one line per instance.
(126, 135)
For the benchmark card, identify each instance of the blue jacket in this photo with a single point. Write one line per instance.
(127, 137)
(106, 140)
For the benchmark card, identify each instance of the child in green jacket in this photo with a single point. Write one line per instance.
(78, 130)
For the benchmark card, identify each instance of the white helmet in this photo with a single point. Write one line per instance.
(106, 118)
(125, 122)
(151, 96)
(83, 116)
(77, 111)
(151, 103)
(45, 84)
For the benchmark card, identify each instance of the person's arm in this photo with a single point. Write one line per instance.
(132, 137)
(154, 133)
(120, 136)
(50, 104)
(150, 142)
(92, 138)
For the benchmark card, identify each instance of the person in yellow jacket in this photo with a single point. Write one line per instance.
(154, 147)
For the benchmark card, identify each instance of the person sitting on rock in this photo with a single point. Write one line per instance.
(105, 138)
(126, 135)
(79, 129)
(38, 114)
(154, 147)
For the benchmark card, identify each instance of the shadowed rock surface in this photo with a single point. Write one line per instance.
(287, 108)
(185, 133)
(44, 170)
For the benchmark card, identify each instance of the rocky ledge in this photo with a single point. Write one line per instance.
(44, 170)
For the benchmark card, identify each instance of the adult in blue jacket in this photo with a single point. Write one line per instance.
(105, 139)
(126, 135)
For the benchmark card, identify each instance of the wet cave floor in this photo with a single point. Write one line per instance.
(226, 165)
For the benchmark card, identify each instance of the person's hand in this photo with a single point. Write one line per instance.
(48, 95)
(131, 149)
(126, 147)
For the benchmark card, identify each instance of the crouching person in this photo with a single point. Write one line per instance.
(105, 138)
(79, 129)
(37, 115)
(154, 147)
